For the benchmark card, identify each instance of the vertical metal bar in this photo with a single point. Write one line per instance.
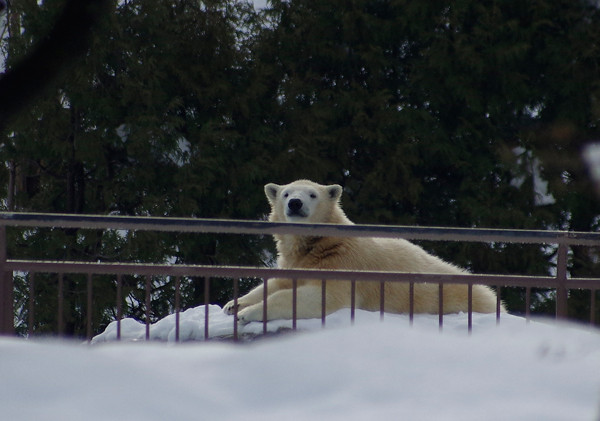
(593, 307)
(294, 303)
(6, 290)
(527, 303)
(470, 307)
(148, 305)
(323, 302)
(60, 315)
(562, 293)
(441, 305)
(31, 310)
(119, 305)
(381, 299)
(498, 304)
(235, 306)
(177, 306)
(352, 301)
(411, 301)
(206, 307)
(265, 309)
(89, 307)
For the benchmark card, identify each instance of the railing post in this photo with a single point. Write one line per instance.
(562, 293)
(6, 290)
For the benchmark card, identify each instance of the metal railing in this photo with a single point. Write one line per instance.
(560, 282)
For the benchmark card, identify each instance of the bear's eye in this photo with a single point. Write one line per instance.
(313, 196)
(286, 195)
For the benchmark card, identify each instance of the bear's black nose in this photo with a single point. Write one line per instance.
(295, 205)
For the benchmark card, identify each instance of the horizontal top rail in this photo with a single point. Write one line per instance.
(226, 226)
(267, 273)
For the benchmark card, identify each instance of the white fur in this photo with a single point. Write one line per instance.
(305, 201)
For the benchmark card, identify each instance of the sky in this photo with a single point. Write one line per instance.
(259, 4)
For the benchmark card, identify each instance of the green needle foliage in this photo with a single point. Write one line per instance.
(469, 114)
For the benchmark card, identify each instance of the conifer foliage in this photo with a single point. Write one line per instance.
(471, 113)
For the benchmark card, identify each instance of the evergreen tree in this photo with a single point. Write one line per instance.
(428, 113)
(146, 124)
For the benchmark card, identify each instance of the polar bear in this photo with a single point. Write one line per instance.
(309, 202)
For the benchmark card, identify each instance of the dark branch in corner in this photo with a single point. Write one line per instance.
(67, 41)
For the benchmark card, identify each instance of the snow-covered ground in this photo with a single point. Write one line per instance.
(539, 370)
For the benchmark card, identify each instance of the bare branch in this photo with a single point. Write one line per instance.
(67, 41)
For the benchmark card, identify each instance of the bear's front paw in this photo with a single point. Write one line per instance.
(230, 307)
(251, 314)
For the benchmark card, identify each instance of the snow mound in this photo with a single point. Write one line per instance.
(516, 370)
(221, 325)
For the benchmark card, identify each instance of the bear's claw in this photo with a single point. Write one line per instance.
(250, 314)
(230, 308)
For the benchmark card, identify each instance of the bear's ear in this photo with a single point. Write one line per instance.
(271, 191)
(334, 192)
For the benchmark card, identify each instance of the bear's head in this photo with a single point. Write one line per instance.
(305, 201)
